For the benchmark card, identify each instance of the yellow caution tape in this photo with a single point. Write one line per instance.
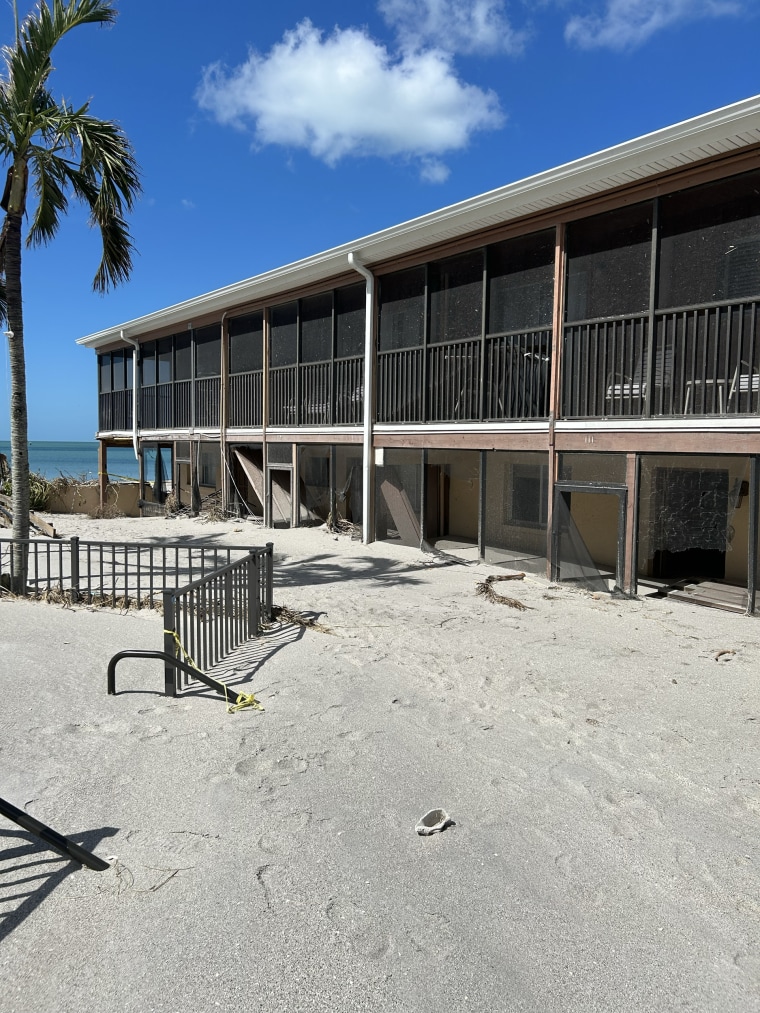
(242, 700)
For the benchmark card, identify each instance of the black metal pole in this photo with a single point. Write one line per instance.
(55, 840)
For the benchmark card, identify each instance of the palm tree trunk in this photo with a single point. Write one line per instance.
(19, 425)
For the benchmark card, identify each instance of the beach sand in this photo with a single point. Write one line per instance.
(599, 758)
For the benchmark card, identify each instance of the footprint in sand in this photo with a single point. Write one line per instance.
(280, 838)
(357, 929)
(630, 812)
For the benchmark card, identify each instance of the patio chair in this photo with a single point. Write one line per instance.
(746, 381)
(622, 387)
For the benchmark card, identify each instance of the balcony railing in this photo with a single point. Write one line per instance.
(698, 361)
(505, 376)
(207, 406)
(400, 385)
(283, 383)
(348, 406)
(701, 361)
(317, 393)
(246, 399)
(115, 410)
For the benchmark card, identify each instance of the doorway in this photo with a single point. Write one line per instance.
(588, 535)
(691, 523)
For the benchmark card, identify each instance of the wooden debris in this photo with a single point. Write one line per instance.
(37, 522)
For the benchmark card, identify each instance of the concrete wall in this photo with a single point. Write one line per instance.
(85, 499)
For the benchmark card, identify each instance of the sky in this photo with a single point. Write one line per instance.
(269, 132)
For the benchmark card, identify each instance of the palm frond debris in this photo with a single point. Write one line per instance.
(485, 589)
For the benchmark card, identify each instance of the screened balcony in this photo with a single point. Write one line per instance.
(499, 378)
(246, 399)
(115, 410)
(702, 361)
(317, 393)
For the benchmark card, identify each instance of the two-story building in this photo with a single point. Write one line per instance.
(560, 375)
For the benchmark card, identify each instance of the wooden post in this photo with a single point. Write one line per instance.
(102, 473)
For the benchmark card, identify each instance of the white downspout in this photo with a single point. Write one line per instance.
(369, 386)
(135, 351)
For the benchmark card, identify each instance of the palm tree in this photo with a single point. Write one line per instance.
(56, 151)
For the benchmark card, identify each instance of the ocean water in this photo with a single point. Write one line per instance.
(76, 460)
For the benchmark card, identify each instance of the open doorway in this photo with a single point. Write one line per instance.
(696, 516)
(588, 535)
(452, 502)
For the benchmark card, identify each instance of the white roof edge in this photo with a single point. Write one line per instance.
(599, 171)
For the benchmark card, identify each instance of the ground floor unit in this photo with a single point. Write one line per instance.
(653, 520)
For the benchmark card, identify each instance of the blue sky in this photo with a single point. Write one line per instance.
(266, 133)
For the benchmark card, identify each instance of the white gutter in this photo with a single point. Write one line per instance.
(135, 351)
(369, 386)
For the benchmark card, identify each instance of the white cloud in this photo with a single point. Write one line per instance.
(432, 170)
(628, 23)
(456, 26)
(188, 205)
(344, 94)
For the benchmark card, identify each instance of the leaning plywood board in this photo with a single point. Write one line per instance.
(406, 521)
(255, 475)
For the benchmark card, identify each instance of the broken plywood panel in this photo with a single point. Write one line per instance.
(252, 464)
(406, 520)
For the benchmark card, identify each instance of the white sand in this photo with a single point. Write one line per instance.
(599, 757)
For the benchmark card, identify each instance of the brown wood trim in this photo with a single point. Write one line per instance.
(461, 441)
(326, 439)
(672, 442)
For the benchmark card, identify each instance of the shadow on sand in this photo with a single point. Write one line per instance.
(30, 871)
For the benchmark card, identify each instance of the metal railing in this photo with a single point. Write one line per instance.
(123, 574)
(207, 619)
(689, 361)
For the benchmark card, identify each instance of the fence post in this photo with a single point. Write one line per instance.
(74, 563)
(254, 594)
(269, 571)
(170, 645)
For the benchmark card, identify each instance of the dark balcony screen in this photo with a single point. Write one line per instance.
(521, 283)
(129, 365)
(284, 335)
(316, 328)
(104, 373)
(710, 243)
(118, 376)
(183, 361)
(165, 360)
(208, 351)
(456, 298)
(350, 309)
(608, 269)
(402, 309)
(246, 349)
(148, 364)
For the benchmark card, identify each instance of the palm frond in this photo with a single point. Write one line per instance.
(48, 182)
(68, 151)
(107, 180)
(28, 63)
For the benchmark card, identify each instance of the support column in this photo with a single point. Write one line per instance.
(631, 524)
(102, 473)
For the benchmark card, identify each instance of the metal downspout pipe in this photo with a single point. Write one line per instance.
(224, 411)
(369, 386)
